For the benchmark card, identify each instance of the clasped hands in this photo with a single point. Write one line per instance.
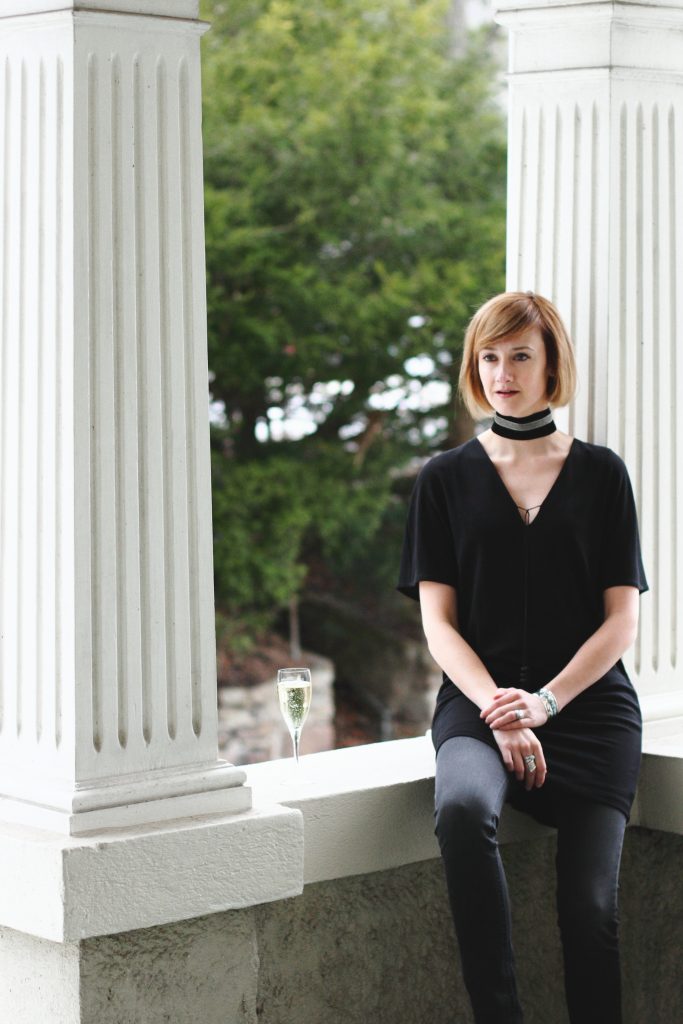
(502, 712)
(519, 747)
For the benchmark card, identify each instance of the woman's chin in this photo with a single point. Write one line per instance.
(510, 405)
(515, 405)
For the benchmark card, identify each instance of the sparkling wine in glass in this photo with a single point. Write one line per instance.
(294, 693)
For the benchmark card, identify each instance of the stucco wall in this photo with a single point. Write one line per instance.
(38, 979)
(375, 947)
(203, 971)
(652, 926)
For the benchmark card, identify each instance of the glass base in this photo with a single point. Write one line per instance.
(293, 773)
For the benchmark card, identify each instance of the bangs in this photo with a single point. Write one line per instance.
(505, 319)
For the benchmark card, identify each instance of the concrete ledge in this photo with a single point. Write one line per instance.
(66, 888)
(366, 808)
(658, 802)
(161, 8)
(659, 708)
(370, 808)
(349, 812)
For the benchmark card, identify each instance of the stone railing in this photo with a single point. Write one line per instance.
(333, 907)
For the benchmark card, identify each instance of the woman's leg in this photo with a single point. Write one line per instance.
(471, 787)
(589, 843)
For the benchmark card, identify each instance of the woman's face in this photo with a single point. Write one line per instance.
(514, 373)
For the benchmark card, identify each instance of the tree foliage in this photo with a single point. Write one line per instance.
(354, 219)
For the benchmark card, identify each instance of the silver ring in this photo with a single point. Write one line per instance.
(519, 714)
(530, 762)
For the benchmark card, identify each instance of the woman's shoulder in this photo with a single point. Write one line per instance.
(602, 471)
(445, 462)
(600, 457)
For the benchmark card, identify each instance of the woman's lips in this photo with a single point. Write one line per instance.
(506, 394)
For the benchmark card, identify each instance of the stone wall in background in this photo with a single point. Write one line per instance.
(389, 672)
(376, 947)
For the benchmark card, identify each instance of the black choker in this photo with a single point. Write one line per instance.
(524, 428)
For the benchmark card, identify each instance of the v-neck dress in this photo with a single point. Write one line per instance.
(529, 595)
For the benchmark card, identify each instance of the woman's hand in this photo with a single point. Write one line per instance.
(501, 713)
(514, 748)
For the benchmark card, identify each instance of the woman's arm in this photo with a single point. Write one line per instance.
(594, 658)
(463, 666)
(439, 608)
(603, 649)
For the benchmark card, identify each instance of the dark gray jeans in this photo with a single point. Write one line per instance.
(472, 785)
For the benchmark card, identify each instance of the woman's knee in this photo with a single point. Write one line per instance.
(471, 785)
(588, 914)
(589, 854)
(464, 818)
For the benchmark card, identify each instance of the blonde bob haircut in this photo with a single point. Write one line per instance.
(504, 316)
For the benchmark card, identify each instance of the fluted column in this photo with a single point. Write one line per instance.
(107, 645)
(595, 222)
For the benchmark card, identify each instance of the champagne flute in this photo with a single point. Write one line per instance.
(294, 693)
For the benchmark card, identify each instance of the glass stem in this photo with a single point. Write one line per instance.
(295, 742)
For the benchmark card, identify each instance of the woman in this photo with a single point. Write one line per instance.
(522, 548)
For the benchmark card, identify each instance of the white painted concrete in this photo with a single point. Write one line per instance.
(70, 888)
(350, 812)
(107, 643)
(366, 808)
(161, 8)
(658, 801)
(371, 808)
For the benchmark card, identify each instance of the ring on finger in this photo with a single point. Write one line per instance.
(530, 762)
(519, 714)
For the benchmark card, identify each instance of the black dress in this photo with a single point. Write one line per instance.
(528, 597)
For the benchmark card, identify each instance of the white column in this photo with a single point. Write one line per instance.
(107, 646)
(595, 222)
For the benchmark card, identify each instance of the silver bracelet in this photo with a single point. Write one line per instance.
(549, 701)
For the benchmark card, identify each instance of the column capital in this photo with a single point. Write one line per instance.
(593, 36)
(186, 9)
(558, 7)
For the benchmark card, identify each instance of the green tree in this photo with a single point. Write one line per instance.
(354, 219)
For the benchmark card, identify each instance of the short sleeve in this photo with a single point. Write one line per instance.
(622, 563)
(428, 548)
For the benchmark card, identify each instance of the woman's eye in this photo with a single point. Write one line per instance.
(522, 356)
(488, 357)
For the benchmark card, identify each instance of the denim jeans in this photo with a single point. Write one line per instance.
(472, 785)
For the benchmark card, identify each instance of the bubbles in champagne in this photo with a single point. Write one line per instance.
(295, 700)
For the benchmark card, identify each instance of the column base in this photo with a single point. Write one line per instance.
(67, 888)
(151, 797)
